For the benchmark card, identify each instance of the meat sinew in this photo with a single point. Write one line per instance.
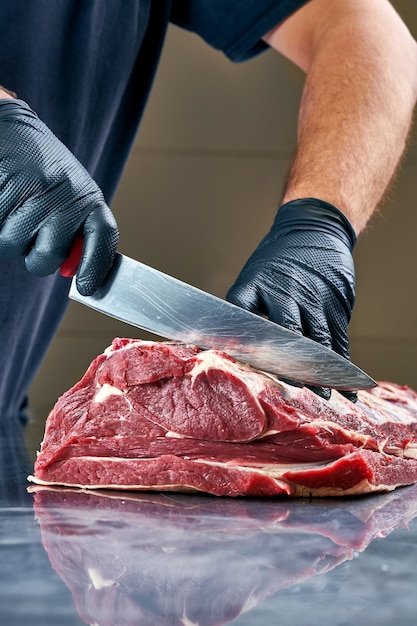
(166, 416)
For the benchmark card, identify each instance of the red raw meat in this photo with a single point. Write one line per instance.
(166, 416)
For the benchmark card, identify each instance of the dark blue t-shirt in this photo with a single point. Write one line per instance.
(86, 66)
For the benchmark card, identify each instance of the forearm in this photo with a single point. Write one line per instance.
(357, 102)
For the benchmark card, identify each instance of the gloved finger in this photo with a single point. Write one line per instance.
(323, 392)
(350, 395)
(287, 313)
(316, 332)
(276, 306)
(246, 295)
(334, 336)
(18, 232)
(101, 237)
(50, 247)
(315, 325)
(341, 346)
(340, 341)
(38, 220)
(317, 329)
(282, 309)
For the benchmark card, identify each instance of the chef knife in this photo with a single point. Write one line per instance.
(165, 306)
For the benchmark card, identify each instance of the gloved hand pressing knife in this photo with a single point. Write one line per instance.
(302, 275)
(47, 199)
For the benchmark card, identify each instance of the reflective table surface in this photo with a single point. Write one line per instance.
(122, 558)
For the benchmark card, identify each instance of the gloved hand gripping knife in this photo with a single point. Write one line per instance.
(47, 199)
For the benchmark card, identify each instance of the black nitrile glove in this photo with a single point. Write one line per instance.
(47, 198)
(302, 276)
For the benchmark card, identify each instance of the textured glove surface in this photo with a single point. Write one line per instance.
(46, 198)
(302, 275)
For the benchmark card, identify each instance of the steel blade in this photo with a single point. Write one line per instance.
(156, 302)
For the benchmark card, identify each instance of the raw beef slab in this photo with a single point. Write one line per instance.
(166, 416)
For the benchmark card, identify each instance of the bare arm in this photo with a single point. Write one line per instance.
(357, 103)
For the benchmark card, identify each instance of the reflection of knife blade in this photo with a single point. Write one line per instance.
(145, 297)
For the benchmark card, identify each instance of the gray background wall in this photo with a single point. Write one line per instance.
(201, 188)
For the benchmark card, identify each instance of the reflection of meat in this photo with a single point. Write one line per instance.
(176, 560)
(166, 416)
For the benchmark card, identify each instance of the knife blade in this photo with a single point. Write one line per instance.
(147, 298)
